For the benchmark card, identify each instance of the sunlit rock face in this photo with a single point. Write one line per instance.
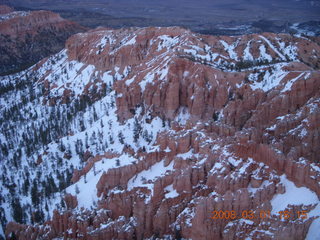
(143, 133)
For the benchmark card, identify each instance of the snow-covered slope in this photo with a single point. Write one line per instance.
(141, 133)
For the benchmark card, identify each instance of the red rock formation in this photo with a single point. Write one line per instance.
(22, 35)
(4, 9)
(233, 126)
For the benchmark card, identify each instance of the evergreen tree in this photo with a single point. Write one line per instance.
(26, 186)
(136, 130)
(121, 137)
(34, 193)
(17, 211)
(38, 216)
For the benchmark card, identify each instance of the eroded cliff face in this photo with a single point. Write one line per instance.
(27, 37)
(5, 9)
(179, 125)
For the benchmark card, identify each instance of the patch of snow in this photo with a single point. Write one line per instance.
(147, 79)
(191, 51)
(253, 190)
(129, 81)
(14, 14)
(172, 193)
(288, 85)
(230, 49)
(315, 167)
(167, 42)
(293, 196)
(243, 169)
(272, 128)
(303, 133)
(147, 177)
(167, 149)
(246, 221)
(87, 196)
(270, 80)
(187, 155)
(233, 161)
(246, 53)
(189, 214)
(314, 232)
(264, 54)
(273, 47)
(132, 41)
(216, 167)
(183, 116)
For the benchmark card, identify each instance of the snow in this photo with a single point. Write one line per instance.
(272, 128)
(264, 184)
(314, 233)
(293, 196)
(143, 178)
(191, 51)
(189, 214)
(270, 80)
(10, 15)
(298, 196)
(246, 54)
(273, 47)
(246, 221)
(132, 41)
(167, 150)
(216, 167)
(233, 161)
(230, 49)
(315, 167)
(183, 116)
(172, 193)
(167, 42)
(281, 117)
(106, 37)
(187, 155)
(147, 79)
(107, 77)
(303, 133)
(129, 81)
(264, 54)
(290, 51)
(77, 77)
(288, 85)
(244, 167)
(87, 196)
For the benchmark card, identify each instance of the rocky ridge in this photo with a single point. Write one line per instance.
(28, 36)
(161, 127)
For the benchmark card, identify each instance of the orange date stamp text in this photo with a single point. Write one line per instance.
(262, 214)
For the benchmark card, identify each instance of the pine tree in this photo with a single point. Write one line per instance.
(62, 204)
(95, 116)
(34, 194)
(77, 189)
(118, 163)
(38, 216)
(26, 186)
(136, 130)
(85, 178)
(86, 141)
(17, 211)
(121, 137)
